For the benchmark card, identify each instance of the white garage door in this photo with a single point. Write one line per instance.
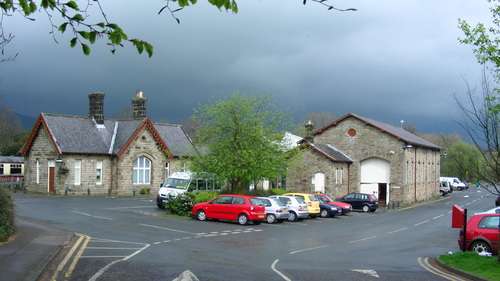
(375, 170)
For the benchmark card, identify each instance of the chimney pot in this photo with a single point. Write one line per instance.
(139, 105)
(309, 126)
(96, 107)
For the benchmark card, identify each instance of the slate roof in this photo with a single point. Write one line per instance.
(397, 132)
(79, 134)
(11, 159)
(331, 152)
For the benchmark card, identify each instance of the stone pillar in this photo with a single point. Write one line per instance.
(96, 107)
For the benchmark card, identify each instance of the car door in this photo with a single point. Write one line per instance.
(237, 207)
(488, 228)
(219, 207)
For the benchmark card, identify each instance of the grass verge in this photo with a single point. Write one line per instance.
(484, 267)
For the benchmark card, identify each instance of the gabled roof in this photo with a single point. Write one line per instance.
(394, 131)
(329, 151)
(81, 135)
(11, 159)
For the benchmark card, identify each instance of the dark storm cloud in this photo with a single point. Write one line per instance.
(390, 60)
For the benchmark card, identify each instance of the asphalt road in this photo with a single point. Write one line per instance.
(129, 239)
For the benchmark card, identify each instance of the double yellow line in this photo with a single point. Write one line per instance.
(424, 262)
(78, 247)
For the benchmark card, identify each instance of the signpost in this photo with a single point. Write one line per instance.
(459, 220)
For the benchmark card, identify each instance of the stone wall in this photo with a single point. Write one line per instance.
(88, 178)
(306, 163)
(43, 150)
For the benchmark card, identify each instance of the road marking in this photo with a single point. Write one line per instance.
(423, 262)
(166, 228)
(299, 223)
(112, 248)
(66, 258)
(437, 217)
(363, 239)
(204, 233)
(77, 257)
(257, 230)
(422, 222)
(398, 230)
(100, 257)
(467, 204)
(156, 243)
(236, 232)
(369, 272)
(273, 267)
(307, 249)
(132, 207)
(92, 216)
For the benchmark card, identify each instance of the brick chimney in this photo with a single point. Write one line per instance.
(139, 105)
(309, 126)
(96, 107)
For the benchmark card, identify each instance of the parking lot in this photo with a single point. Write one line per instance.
(129, 238)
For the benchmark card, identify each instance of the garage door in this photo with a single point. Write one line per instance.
(376, 175)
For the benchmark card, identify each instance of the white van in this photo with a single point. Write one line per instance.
(455, 183)
(181, 182)
(445, 187)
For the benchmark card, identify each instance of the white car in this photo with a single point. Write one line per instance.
(445, 188)
(297, 207)
(276, 211)
(455, 183)
(492, 211)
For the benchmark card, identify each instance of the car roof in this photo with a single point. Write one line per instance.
(238, 195)
(297, 193)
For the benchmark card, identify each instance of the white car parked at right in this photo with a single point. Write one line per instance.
(297, 207)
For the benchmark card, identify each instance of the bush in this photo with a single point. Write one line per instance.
(181, 204)
(145, 191)
(7, 227)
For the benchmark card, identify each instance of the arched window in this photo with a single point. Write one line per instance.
(142, 171)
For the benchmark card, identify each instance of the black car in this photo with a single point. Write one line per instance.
(361, 201)
(328, 211)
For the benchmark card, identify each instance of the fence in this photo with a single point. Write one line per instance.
(13, 183)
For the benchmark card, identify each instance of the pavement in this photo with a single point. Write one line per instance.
(34, 246)
(130, 239)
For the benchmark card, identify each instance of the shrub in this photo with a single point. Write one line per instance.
(6, 215)
(145, 190)
(181, 204)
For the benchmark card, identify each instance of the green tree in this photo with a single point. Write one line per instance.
(241, 139)
(12, 135)
(462, 160)
(78, 17)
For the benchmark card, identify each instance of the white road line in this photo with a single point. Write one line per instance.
(307, 249)
(398, 230)
(166, 228)
(422, 222)
(132, 207)
(437, 217)
(363, 239)
(112, 248)
(156, 243)
(224, 231)
(257, 230)
(92, 216)
(166, 241)
(204, 233)
(273, 267)
(100, 257)
(236, 232)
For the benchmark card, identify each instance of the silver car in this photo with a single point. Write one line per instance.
(276, 211)
(296, 206)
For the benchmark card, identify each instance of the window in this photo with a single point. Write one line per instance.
(339, 174)
(16, 169)
(167, 169)
(490, 222)
(1, 169)
(98, 173)
(284, 200)
(142, 171)
(238, 200)
(37, 171)
(223, 200)
(77, 172)
(202, 185)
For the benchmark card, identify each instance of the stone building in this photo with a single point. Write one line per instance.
(358, 154)
(91, 154)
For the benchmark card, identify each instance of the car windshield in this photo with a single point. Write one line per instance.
(324, 198)
(313, 198)
(278, 202)
(260, 202)
(177, 183)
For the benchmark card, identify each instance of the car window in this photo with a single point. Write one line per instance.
(299, 196)
(261, 202)
(284, 200)
(364, 197)
(300, 199)
(325, 199)
(223, 200)
(489, 222)
(349, 196)
(278, 202)
(238, 200)
(313, 198)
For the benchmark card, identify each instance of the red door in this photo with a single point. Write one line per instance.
(52, 176)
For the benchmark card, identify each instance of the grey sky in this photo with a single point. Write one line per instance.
(391, 60)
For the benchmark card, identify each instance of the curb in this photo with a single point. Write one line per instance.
(48, 268)
(455, 271)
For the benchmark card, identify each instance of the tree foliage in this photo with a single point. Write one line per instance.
(75, 17)
(462, 160)
(241, 136)
(12, 135)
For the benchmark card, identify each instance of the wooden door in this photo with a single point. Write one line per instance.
(382, 194)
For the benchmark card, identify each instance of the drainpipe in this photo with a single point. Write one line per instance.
(348, 177)
(415, 175)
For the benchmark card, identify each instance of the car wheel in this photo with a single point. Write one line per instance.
(480, 247)
(242, 219)
(292, 217)
(324, 213)
(442, 193)
(366, 208)
(201, 215)
(271, 218)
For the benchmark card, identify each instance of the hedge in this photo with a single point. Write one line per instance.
(7, 227)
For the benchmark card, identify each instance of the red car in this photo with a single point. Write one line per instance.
(482, 233)
(325, 199)
(231, 207)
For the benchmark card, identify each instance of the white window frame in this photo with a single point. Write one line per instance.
(137, 167)
(98, 171)
(77, 172)
(37, 166)
(339, 174)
